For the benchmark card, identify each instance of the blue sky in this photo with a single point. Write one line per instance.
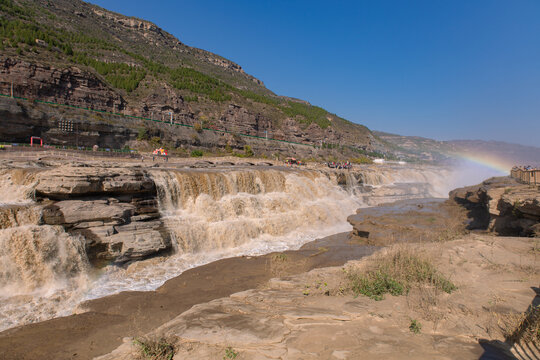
(433, 68)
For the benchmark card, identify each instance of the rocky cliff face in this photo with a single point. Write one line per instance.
(90, 57)
(69, 85)
(22, 119)
(114, 210)
(501, 205)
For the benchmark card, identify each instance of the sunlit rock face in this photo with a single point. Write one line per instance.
(501, 205)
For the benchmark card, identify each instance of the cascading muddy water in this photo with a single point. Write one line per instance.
(375, 185)
(210, 214)
(213, 215)
(17, 185)
(43, 272)
(213, 211)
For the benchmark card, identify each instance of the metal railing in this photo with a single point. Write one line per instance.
(164, 121)
(58, 150)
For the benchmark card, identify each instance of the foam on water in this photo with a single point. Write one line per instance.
(210, 215)
(43, 272)
(17, 186)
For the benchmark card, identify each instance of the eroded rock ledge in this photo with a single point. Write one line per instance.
(501, 205)
(114, 209)
(413, 220)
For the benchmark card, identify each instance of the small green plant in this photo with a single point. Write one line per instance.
(375, 284)
(155, 350)
(198, 127)
(248, 151)
(395, 274)
(415, 326)
(230, 353)
(280, 257)
(196, 153)
(142, 135)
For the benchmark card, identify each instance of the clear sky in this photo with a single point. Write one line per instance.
(457, 69)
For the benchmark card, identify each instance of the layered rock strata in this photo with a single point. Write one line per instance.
(115, 210)
(501, 205)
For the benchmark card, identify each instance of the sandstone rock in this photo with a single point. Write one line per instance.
(501, 205)
(67, 181)
(278, 321)
(131, 245)
(114, 209)
(70, 85)
(526, 201)
(70, 212)
(202, 164)
(228, 317)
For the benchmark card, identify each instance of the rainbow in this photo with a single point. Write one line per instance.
(490, 161)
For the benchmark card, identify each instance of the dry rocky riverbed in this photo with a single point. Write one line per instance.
(313, 316)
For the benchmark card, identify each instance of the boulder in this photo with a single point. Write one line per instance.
(501, 205)
(86, 213)
(125, 243)
(67, 181)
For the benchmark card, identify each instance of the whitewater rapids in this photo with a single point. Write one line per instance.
(210, 215)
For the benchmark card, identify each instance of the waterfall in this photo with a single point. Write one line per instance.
(17, 185)
(35, 256)
(211, 211)
(42, 272)
(210, 214)
(375, 185)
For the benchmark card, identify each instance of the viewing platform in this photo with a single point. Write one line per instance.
(526, 175)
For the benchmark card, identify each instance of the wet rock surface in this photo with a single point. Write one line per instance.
(115, 210)
(408, 221)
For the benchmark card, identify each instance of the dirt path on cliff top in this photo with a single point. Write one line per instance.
(106, 321)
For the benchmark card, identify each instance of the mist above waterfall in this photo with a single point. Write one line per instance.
(466, 172)
(209, 214)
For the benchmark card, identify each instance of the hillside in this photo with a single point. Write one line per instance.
(424, 149)
(414, 147)
(75, 53)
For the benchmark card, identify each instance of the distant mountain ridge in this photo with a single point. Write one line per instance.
(425, 149)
